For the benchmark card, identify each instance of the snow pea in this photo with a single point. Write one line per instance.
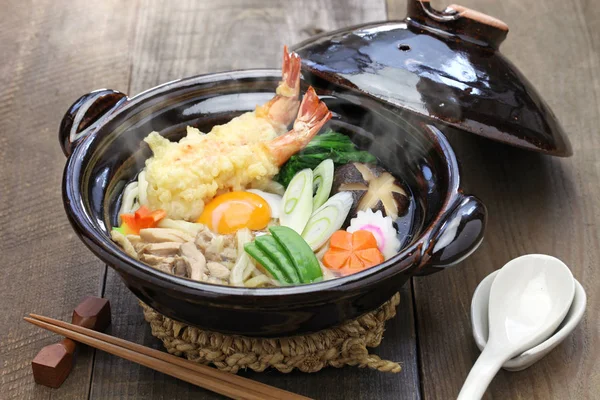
(299, 252)
(265, 260)
(278, 255)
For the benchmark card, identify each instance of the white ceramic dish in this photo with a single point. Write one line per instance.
(479, 320)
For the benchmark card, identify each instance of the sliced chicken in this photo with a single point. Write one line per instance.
(204, 238)
(139, 247)
(155, 260)
(166, 266)
(122, 241)
(218, 270)
(180, 267)
(195, 260)
(162, 249)
(221, 249)
(134, 239)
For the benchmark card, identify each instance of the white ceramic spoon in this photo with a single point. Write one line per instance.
(479, 322)
(528, 300)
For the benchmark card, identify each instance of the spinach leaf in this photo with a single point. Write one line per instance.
(330, 144)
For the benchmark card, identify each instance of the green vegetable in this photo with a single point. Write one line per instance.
(297, 201)
(336, 146)
(327, 219)
(263, 259)
(286, 256)
(299, 252)
(277, 254)
(322, 182)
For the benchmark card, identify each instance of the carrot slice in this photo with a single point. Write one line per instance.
(371, 257)
(334, 259)
(142, 219)
(341, 240)
(355, 262)
(352, 252)
(363, 240)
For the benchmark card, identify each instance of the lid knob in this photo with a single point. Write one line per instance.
(469, 24)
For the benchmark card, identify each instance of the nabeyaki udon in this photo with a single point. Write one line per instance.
(196, 210)
(182, 176)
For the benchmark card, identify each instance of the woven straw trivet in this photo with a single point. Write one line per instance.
(343, 345)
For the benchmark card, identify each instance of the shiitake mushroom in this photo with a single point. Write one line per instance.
(371, 187)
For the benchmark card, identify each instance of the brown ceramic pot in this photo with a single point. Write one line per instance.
(102, 136)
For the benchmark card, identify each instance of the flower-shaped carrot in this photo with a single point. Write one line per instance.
(142, 219)
(352, 252)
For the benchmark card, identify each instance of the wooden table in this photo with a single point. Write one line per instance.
(54, 51)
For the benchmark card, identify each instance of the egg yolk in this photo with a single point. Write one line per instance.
(230, 212)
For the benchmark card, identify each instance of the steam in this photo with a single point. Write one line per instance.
(395, 137)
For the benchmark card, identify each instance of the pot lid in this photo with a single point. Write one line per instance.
(443, 65)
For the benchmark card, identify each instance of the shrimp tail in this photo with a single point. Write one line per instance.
(290, 74)
(282, 108)
(313, 113)
(312, 116)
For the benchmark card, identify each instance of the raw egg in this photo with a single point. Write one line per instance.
(230, 212)
(274, 200)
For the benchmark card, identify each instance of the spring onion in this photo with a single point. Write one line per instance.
(327, 219)
(298, 201)
(322, 182)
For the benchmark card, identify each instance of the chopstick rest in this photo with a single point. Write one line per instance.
(53, 363)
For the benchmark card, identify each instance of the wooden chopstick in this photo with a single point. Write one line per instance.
(224, 383)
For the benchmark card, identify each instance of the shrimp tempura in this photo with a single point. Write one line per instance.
(272, 118)
(183, 176)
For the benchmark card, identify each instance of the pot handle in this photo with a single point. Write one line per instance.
(457, 238)
(458, 20)
(85, 115)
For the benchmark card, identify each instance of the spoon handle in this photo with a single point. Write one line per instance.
(487, 365)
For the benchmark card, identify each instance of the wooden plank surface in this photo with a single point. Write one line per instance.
(189, 38)
(536, 204)
(55, 51)
(50, 56)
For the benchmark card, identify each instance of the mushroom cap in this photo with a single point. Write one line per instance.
(356, 178)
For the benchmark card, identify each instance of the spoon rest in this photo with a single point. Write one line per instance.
(479, 320)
